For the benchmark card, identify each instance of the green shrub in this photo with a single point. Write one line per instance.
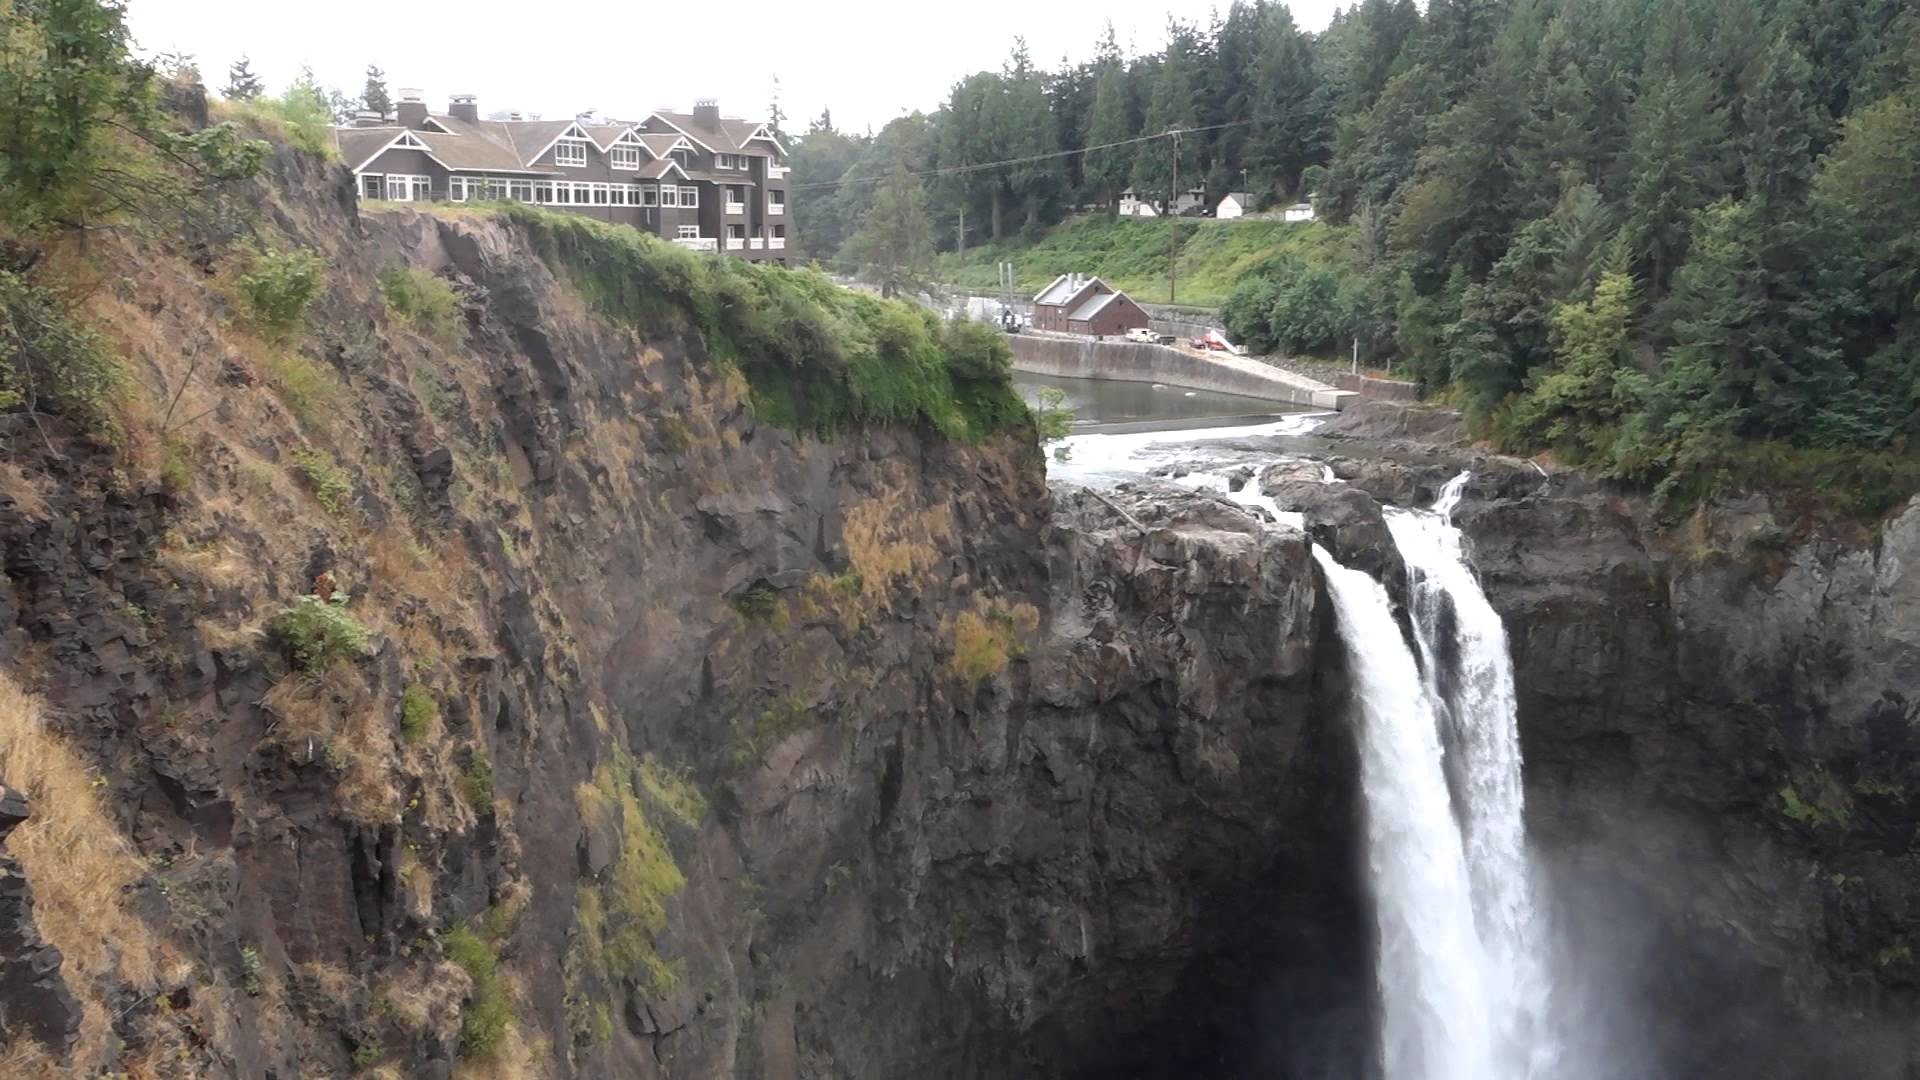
(418, 712)
(332, 485)
(1052, 417)
(757, 604)
(51, 362)
(310, 391)
(321, 632)
(300, 117)
(176, 464)
(489, 1008)
(476, 782)
(424, 301)
(816, 357)
(278, 290)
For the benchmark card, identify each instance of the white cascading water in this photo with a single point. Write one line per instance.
(1469, 675)
(1436, 1020)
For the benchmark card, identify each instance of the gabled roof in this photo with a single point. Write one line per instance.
(743, 134)
(660, 144)
(1066, 288)
(660, 170)
(1096, 305)
(1241, 197)
(360, 145)
(685, 125)
(474, 152)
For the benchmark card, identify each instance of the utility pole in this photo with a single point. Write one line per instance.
(1173, 216)
(963, 231)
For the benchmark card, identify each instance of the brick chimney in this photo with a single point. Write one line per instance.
(706, 113)
(464, 107)
(412, 109)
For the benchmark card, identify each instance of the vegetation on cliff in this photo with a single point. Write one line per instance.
(815, 356)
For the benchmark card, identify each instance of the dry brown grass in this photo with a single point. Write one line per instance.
(334, 714)
(888, 545)
(25, 1059)
(79, 863)
(25, 493)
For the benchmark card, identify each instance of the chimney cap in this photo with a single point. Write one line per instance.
(463, 99)
(410, 93)
(706, 103)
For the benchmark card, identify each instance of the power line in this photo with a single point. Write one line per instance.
(954, 169)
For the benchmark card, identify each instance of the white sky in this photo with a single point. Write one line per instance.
(869, 60)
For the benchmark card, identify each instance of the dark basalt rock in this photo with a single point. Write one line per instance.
(34, 997)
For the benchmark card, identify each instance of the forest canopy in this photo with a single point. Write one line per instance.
(1676, 240)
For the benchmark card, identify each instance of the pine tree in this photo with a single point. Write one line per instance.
(242, 83)
(1029, 135)
(1676, 168)
(894, 245)
(374, 98)
(1170, 109)
(1107, 170)
(1289, 130)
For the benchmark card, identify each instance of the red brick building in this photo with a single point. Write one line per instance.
(1086, 305)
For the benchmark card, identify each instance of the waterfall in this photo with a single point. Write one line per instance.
(1461, 970)
(1468, 673)
(1436, 1022)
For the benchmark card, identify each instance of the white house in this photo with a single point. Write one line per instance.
(1234, 205)
(1132, 205)
(1191, 199)
(1300, 211)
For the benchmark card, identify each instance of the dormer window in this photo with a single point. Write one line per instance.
(625, 157)
(572, 152)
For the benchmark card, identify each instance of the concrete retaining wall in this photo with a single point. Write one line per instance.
(1126, 361)
(1380, 389)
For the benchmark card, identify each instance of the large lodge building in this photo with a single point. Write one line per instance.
(699, 179)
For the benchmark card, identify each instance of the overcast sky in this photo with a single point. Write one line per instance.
(868, 60)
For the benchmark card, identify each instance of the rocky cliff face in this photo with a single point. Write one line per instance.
(1719, 722)
(681, 745)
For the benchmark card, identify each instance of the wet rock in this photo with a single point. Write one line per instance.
(1347, 522)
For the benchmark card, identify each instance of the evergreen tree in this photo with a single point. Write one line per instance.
(1289, 130)
(1029, 135)
(242, 83)
(1677, 165)
(894, 245)
(1107, 170)
(374, 98)
(1157, 161)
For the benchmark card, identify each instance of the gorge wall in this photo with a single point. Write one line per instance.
(685, 745)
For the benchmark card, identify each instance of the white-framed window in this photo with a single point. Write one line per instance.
(777, 197)
(401, 187)
(669, 195)
(736, 232)
(497, 190)
(543, 191)
(649, 195)
(625, 157)
(457, 188)
(570, 152)
(684, 156)
(373, 185)
(521, 190)
(601, 196)
(779, 232)
(689, 195)
(689, 232)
